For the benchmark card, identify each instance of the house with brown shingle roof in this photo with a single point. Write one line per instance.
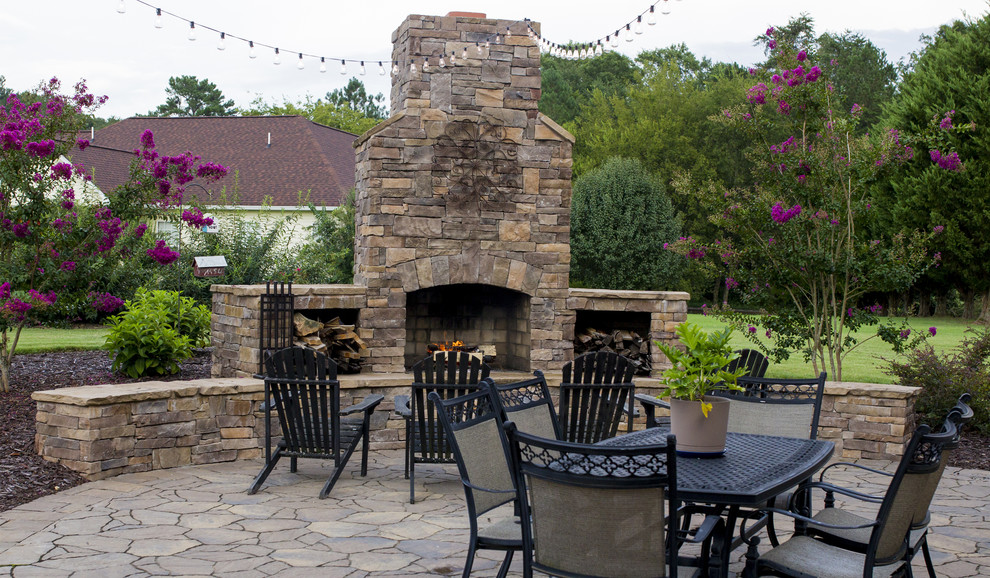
(283, 162)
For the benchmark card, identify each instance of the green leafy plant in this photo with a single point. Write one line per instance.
(146, 340)
(700, 367)
(944, 377)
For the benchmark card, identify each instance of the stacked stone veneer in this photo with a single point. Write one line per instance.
(465, 184)
(105, 430)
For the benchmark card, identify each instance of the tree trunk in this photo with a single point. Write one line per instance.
(4, 375)
(941, 304)
(924, 304)
(891, 305)
(985, 308)
(906, 303)
(969, 298)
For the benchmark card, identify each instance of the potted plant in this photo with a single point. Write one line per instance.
(697, 419)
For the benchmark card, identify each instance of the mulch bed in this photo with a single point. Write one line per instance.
(24, 476)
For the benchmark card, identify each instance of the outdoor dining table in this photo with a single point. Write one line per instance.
(754, 469)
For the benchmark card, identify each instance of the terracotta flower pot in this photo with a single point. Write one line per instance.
(697, 435)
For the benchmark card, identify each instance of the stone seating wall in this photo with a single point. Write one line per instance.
(105, 430)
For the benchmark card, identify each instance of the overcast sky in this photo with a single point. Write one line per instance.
(126, 57)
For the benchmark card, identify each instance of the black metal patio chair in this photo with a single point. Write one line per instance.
(450, 374)
(473, 427)
(301, 386)
(913, 482)
(858, 539)
(595, 392)
(528, 404)
(591, 510)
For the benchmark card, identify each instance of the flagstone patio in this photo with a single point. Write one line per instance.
(199, 521)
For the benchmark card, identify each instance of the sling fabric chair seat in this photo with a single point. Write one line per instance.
(450, 374)
(301, 386)
(480, 450)
(526, 403)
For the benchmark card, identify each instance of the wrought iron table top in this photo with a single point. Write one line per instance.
(753, 469)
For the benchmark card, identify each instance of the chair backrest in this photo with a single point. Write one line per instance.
(914, 481)
(780, 407)
(450, 367)
(302, 385)
(595, 389)
(595, 510)
(528, 404)
(756, 363)
(473, 426)
(450, 374)
(956, 418)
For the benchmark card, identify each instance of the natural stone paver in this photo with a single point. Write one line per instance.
(198, 521)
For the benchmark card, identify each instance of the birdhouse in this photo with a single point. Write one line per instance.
(213, 266)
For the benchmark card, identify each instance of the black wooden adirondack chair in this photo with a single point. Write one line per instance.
(301, 386)
(450, 374)
(596, 389)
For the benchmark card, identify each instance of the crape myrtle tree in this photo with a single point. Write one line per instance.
(796, 244)
(50, 241)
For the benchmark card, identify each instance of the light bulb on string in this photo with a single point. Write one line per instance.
(426, 64)
(278, 58)
(442, 63)
(381, 68)
(192, 31)
(363, 69)
(251, 52)
(121, 8)
(343, 66)
(158, 17)
(323, 64)
(629, 37)
(220, 43)
(615, 39)
(395, 67)
(598, 48)
(508, 32)
(488, 43)
(412, 67)
(498, 38)
(453, 58)
(639, 24)
(651, 18)
(464, 53)
(299, 63)
(665, 7)
(477, 47)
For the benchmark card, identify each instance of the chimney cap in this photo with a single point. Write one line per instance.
(467, 14)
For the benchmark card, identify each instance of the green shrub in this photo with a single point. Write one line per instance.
(144, 339)
(944, 377)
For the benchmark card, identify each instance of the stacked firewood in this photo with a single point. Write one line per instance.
(334, 338)
(628, 344)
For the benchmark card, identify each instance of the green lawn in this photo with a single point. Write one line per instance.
(864, 363)
(44, 339)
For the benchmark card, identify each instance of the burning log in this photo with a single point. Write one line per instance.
(338, 340)
(628, 344)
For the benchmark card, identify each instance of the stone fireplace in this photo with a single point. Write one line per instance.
(463, 218)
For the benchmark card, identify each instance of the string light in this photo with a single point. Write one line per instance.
(442, 63)
(251, 52)
(323, 64)
(343, 67)
(639, 24)
(615, 39)
(453, 58)
(412, 67)
(426, 64)
(299, 63)
(395, 67)
(192, 31)
(651, 18)
(629, 37)
(665, 7)
(278, 59)
(381, 68)
(477, 46)
(363, 69)
(121, 8)
(220, 45)
(158, 18)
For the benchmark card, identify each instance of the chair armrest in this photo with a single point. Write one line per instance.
(258, 376)
(651, 401)
(821, 476)
(368, 405)
(813, 521)
(703, 532)
(403, 407)
(839, 490)
(489, 490)
(635, 411)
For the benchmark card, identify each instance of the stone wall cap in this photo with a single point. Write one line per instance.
(627, 294)
(106, 394)
(378, 128)
(876, 390)
(297, 290)
(552, 125)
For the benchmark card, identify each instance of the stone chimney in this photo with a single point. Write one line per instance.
(463, 200)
